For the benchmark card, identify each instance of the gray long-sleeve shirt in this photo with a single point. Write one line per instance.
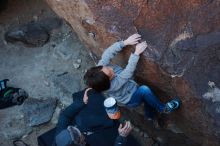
(122, 86)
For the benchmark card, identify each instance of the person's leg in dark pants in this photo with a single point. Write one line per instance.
(149, 97)
(146, 96)
(152, 103)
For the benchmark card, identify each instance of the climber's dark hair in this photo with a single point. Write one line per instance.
(97, 79)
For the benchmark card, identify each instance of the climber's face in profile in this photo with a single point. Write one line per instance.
(108, 71)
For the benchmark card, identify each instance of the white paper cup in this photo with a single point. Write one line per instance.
(112, 108)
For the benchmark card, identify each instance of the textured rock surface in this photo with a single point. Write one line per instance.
(38, 70)
(37, 111)
(9, 128)
(183, 54)
(33, 34)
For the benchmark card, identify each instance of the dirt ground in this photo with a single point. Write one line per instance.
(38, 70)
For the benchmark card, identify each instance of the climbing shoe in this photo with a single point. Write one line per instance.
(172, 105)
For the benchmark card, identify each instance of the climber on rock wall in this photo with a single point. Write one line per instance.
(117, 82)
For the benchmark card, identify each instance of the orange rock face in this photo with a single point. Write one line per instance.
(183, 58)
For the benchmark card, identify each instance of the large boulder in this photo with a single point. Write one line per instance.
(183, 57)
(37, 111)
(33, 34)
(13, 125)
